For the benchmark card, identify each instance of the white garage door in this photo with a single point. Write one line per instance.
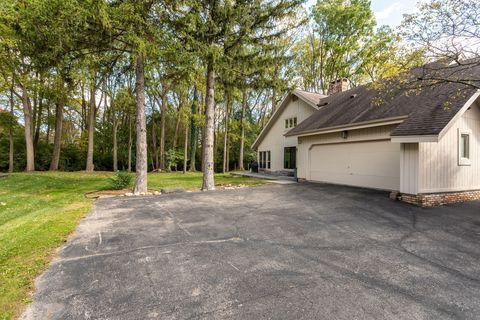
(373, 164)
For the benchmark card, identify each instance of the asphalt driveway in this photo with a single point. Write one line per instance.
(305, 251)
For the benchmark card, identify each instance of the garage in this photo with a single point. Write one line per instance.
(370, 164)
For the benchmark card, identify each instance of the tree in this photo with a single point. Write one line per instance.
(141, 169)
(449, 32)
(213, 27)
(340, 29)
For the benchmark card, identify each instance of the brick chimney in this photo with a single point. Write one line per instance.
(337, 86)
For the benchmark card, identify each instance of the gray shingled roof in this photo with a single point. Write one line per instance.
(312, 97)
(428, 109)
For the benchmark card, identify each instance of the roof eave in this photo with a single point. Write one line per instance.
(414, 139)
(350, 126)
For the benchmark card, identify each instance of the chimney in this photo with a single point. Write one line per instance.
(337, 86)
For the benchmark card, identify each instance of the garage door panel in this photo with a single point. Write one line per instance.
(374, 164)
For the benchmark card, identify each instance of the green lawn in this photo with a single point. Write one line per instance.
(39, 210)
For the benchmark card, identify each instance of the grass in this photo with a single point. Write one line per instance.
(39, 210)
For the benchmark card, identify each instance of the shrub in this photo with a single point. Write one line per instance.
(121, 180)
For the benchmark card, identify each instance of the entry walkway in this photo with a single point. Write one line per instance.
(279, 179)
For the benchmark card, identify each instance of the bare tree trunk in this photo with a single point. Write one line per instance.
(185, 148)
(242, 130)
(163, 117)
(193, 131)
(115, 147)
(141, 163)
(208, 161)
(27, 112)
(57, 142)
(91, 127)
(155, 164)
(39, 122)
(10, 134)
(47, 136)
(228, 101)
(177, 129)
(129, 169)
(274, 92)
(84, 111)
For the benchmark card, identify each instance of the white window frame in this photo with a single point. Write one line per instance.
(290, 122)
(464, 161)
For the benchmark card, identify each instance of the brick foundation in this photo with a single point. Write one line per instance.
(439, 199)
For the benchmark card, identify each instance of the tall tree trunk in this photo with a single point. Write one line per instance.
(130, 142)
(228, 102)
(84, 110)
(177, 129)
(242, 129)
(193, 131)
(10, 134)
(208, 161)
(155, 164)
(91, 126)
(141, 163)
(39, 122)
(163, 117)
(115, 147)
(274, 91)
(27, 113)
(185, 148)
(57, 142)
(47, 136)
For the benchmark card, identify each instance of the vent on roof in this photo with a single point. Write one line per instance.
(353, 96)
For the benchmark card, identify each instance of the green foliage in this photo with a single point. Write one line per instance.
(173, 158)
(121, 180)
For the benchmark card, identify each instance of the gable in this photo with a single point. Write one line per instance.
(298, 104)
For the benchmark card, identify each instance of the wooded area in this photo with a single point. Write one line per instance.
(164, 85)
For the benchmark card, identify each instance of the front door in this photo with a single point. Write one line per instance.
(290, 158)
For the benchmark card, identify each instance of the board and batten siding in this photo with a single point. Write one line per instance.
(305, 143)
(439, 169)
(409, 166)
(275, 141)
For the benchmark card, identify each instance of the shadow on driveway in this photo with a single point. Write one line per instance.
(305, 251)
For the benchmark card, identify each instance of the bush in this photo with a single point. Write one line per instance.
(121, 180)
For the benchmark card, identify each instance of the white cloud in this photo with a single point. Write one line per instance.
(387, 12)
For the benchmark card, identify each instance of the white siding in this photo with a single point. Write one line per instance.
(368, 134)
(439, 169)
(409, 163)
(275, 141)
(366, 158)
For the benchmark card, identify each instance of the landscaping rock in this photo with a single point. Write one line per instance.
(129, 194)
(173, 190)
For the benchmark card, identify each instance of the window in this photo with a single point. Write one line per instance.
(289, 158)
(463, 148)
(264, 159)
(290, 123)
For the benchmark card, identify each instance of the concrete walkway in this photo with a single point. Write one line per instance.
(278, 179)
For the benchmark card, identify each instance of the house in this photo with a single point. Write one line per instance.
(277, 152)
(423, 144)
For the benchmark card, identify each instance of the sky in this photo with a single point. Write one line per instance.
(387, 12)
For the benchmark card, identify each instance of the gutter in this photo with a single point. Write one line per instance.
(351, 126)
